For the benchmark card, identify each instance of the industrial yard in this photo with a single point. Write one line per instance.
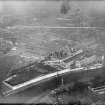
(52, 52)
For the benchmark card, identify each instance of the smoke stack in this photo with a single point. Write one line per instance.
(65, 7)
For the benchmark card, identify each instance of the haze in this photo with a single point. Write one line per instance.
(25, 7)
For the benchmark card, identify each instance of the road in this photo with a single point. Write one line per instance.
(57, 27)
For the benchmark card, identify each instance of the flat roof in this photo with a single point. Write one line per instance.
(69, 59)
(29, 72)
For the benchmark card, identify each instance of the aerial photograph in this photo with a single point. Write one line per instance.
(52, 52)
